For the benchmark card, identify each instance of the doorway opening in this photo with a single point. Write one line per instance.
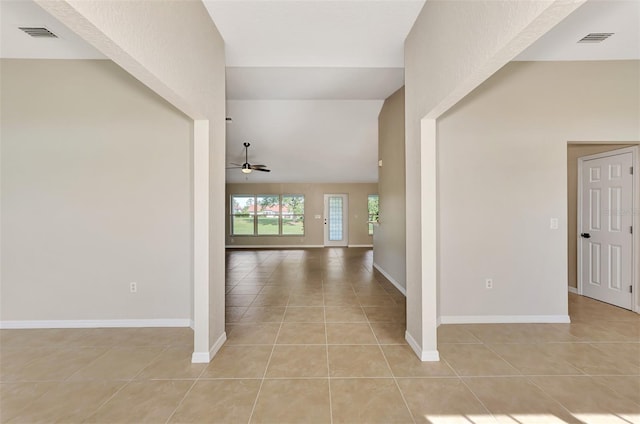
(602, 210)
(336, 220)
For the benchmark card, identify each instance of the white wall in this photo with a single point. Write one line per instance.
(96, 193)
(389, 254)
(502, 175)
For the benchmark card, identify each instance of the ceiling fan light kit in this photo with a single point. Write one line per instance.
(246, 167)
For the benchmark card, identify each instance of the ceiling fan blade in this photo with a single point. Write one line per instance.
(233, 167)
(261, 169)
(258, 166)
(235, 164)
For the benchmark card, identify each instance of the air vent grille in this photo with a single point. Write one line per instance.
(38, 32)
(595, 37)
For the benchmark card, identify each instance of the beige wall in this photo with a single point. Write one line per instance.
(574, 151)
(179, 54)
(390, 235)
(314, 205)
(502, 177)
(481, 38)
(96, 193)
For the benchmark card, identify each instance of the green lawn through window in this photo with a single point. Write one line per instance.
(268, 225)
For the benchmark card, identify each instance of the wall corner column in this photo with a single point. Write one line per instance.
(201, 342)
(422, 259)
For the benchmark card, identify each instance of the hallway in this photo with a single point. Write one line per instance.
(315, 336)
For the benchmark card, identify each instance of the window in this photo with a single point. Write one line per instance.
(267, 215)
(242, 215)
(374, 210)
(292, 215)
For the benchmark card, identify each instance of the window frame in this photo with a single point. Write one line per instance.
(293, 215)
(254, 212)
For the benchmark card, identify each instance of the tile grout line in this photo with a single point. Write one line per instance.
(455, 371)
(127, 381)
(264, 375)
(551, 397)
(395, 380)
(187, 393)
(326, 339)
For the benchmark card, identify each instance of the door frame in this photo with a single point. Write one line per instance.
(345, 220)
(635, 240)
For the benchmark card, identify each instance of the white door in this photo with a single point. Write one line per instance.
(336, 219)
(606, 240)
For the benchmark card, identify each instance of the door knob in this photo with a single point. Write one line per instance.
(585, 235)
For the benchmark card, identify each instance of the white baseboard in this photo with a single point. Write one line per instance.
(505, 319)
(360, 245)
(402, 290)
(573, 290)
(206, 357)
(274, 246)
(424, 355)
(97, 323)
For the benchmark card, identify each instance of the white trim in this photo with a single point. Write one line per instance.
(206, 357)
(505, 319)
(274, 246)
(201, 168)
(424, 355)
(360, 245)
(345, 221)
(96, 323)
(401, 289)
(635, 243)
(573, 290)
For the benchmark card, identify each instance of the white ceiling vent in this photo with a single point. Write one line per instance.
(38, 32)
(595, 37)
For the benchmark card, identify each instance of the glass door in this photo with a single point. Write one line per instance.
(336, 219)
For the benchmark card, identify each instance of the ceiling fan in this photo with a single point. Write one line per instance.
(246, 167)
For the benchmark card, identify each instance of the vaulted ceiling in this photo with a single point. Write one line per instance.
(306, 78)
(306, 81)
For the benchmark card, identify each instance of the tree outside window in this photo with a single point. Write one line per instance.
(374, 210)
(267, 215)
(292, 215)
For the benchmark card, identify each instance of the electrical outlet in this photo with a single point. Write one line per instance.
(488, 283)
(133, 287)
(553, 223)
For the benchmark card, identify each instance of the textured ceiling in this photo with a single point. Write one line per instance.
(313, 83)
(312, 77)
(16, 44)
(317, 33)
(605, 16)
(305, 140)
(306, 78)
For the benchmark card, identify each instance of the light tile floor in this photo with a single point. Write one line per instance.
(316, 336)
